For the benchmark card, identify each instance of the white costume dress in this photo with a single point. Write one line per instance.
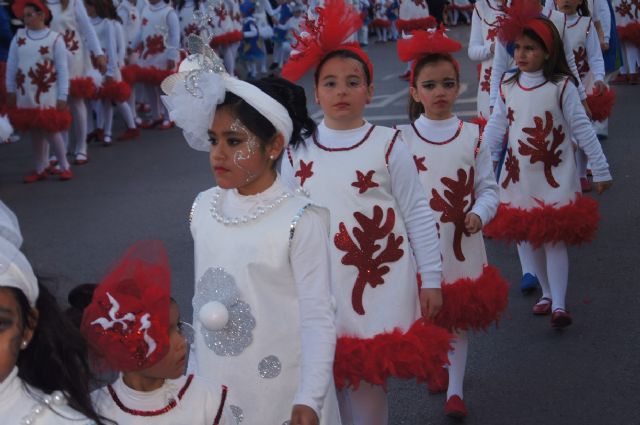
(271, 274)
(197, 402)
(20, 403)
(627, 13)
(584, 42)
(414, 15)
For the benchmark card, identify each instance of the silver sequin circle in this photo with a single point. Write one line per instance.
(269, 367)
(237, 413)
(218, 285)
(286, 423)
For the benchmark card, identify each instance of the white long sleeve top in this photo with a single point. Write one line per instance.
(408, 192)
(580, 127)
(60, 63)
(592, 46)
(107, 40)
(485, 187)
(502, 58)
(479, 48)
(309, 256)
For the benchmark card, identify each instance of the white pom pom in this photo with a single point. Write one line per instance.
(213, 315)
(5, 129)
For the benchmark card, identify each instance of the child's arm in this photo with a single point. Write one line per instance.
(12, 69)
(495, 129)
(312, 273)
(485, 188)
(89, 35)
(61, 65)
(173, 40)
(602, 15)
(420, 223)
(111, 51)
(500, 62)
(478, 50)
(594, 57)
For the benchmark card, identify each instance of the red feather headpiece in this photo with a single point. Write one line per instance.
(335, 23)
(127, 322)
(18, 8)
(520, 15)
(423, 43)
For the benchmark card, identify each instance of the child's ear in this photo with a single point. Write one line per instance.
(414, 94)
(369, 93)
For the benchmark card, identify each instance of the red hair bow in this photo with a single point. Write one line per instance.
(422, 43)
(127, 322)
(19, 5)
(335, 23)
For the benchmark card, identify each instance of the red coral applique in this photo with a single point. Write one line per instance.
(70, 41)
(510, 116)
(624, 9)
(455, 205)
(133, 17)
(43, 50)
(145, 21)
(42, 77)
(304, 172)
(485, 85)
(420, 163)
(370, 269)
(154, 44)
(420, 3)
(221, 12)
(21, 41)
(20, 79)
(542, 150)
(364, 182)
(512, 165)
(581, 61)
(492, 33)
(192, 28)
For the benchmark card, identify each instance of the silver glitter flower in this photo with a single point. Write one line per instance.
(218, 285)
(237, 413)
(269, 367)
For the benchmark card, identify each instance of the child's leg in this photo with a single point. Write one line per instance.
(284, 55)
(57, 145)
(458, 363)
(107, 113)
(151, 97)
(394, 30)
(40, 151)
(99, 111)
(127, 114)
(539, 265)
(384, 35)
(368, 405)
(526, 261)
(78, 109)
(456, 15)
(557, 260)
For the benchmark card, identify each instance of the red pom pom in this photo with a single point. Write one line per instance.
(601, 104)
(422, 43)
(630, 33)
(116, 91)
(473, 303)
(152, 75)
(130, 74)
(82, 88)
(49, 120)
(409, 25)
(226, 39)
(573, 223)
(418, 353)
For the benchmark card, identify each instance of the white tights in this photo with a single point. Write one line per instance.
(526, 260)
(368, 405)
(551, 264)
(152, 95)
(78, 109)
(40, 146)
(458, 363)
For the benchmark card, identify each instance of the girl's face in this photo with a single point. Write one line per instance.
(342, 92)
(529, 54)
(33, 18)
(12, 332)
(238, 158)
(91, 9)
(568, 7)
(436, 87)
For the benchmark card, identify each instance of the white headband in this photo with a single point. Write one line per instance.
(200, 85)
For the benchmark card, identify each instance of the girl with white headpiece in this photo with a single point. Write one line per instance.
(263, 314)
(44, 376)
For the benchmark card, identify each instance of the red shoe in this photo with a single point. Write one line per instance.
(620, 79)
(560, 318)
(589, 172)
(66, 175)
(34, 176)
(405, 76)
(53, 162)
(53, 169)
(130, 134)
(151, 123)
(454, 408)
(542, 307)
(95, 136)
(585, 185)
(439, 383)
(166, 125)
(81, 159)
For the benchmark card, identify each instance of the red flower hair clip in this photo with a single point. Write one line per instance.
(336, 21)
(520, 15)
(127, 322)
(18, 8)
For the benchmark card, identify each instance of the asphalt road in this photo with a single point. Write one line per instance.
(521, 373)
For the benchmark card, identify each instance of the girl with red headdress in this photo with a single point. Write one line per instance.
(628, 21)
(37, 85)
(381, 224)
(455, 169)
(541, 204)
(133, 327)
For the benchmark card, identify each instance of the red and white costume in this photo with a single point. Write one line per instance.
(414, 15)
(227, 32)
(187, 19)
(627, 15)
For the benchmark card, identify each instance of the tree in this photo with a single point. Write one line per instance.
(542, 150)
(370, 267)
(42, 77)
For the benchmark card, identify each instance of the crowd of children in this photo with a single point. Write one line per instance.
(346, 253)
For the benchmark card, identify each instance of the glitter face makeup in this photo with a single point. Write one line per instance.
(245, 154)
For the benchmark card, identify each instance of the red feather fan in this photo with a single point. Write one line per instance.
(601, 104)
(336, 22)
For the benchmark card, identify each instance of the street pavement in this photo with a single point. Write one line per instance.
(521, 373)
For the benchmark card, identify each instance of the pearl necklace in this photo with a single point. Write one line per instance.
(234, 221)
(54, 399)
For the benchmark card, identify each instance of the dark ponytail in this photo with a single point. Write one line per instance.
(56, 357)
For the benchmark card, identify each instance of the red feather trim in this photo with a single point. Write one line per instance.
(130, 74)
(573, 223)
(226, 39)
(630, 33)
(49, 120)
(419, 353)
(82, 88)
(422, 43)
(116, 91)
(336, 22)
(473, 303)
(516, 18)
(152, 75)
(408, 25)
(380, 23)
(601, 104)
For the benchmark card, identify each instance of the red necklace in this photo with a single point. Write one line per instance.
(439, 143)
(165, 409)
(348, 148)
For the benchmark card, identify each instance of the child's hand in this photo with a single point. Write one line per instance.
(101, 64)
(303, 415)
(604, 46)
(602, 186)
(586, 109)
(430, 302)
(599, 87)
(472, 223)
